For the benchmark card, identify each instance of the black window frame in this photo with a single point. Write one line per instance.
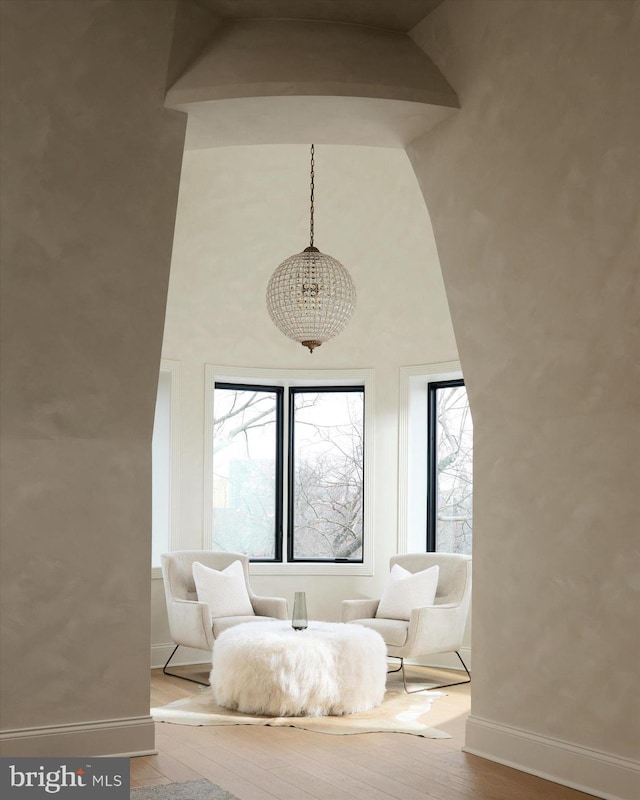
(432, 472)
(279, 468)
(293, 390)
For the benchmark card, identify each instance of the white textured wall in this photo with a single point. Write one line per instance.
(90, 170)
(243, 210)
(533, 193)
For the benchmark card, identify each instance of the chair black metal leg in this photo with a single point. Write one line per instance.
(176, 675)
(432, 688)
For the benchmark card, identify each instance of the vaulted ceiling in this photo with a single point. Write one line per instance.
(397, 15)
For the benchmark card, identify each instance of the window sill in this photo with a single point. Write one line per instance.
(297, 568)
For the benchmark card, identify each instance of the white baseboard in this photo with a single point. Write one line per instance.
(591, 771)
(185, 655)
(131, 736)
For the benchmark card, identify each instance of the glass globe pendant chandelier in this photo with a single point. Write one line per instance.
(311, 296)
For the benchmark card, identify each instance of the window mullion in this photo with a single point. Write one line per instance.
(432, 479)
(280, 488)
(289, 474)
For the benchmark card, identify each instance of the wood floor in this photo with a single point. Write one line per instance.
(262, 763)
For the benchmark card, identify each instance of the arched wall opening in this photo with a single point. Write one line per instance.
(242, 210)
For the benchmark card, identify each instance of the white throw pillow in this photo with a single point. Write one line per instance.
(225, 592)
(406, 590)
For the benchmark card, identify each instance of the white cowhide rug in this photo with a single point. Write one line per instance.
(399, 713)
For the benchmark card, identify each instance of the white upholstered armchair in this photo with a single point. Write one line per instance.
(430, 629)
(194, 623)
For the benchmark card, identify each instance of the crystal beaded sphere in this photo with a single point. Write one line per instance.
(311, 297)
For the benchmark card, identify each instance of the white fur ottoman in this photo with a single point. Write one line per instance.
(327, 669)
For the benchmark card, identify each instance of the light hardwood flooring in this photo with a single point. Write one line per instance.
(262, 763)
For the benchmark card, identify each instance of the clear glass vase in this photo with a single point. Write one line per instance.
(299, 619)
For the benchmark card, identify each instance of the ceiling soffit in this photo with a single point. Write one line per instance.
(386, 90)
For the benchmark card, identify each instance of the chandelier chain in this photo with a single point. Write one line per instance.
(312, 191)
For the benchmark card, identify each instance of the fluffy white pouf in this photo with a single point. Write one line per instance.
(328, 669)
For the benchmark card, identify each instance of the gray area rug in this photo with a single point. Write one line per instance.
(190, 790)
